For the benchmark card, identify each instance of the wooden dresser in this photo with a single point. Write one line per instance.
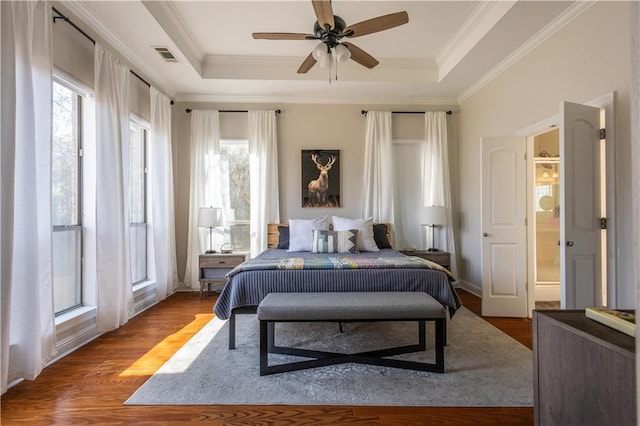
(583, 371)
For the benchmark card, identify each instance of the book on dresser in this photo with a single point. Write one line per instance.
(621, 320)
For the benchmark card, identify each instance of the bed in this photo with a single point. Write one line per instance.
(384, 270)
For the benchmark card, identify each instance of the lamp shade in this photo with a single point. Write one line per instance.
(209, 217)
(434, 215)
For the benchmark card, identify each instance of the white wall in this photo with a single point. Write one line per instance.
(300, 126)
(585, 60)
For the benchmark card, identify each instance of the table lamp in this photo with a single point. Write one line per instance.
(434, 216)
(210, 217)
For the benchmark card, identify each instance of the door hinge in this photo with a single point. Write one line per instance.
(603, 134)
(80, 152)
(525, 221)
(525, 156)
(603, 223)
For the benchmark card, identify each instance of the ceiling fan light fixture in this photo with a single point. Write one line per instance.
(341, 53)
(321, 52)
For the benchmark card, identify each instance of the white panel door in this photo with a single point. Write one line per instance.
(580, 233)
(504, 248)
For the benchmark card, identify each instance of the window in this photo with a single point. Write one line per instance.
(66, 203)
(138, 201)
(234, 156)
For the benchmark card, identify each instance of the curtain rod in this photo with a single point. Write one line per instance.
(77, 28)
(364, 112)
(188, 110)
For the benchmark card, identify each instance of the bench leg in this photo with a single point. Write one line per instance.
(375, 357)
(264, 350)
(232, 331)
(441, 326)
(271, 334)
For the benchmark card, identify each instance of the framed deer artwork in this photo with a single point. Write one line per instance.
(320, 178)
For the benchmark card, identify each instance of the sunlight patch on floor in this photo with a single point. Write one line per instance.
(160, 353)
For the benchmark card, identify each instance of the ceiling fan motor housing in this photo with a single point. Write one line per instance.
(331, 36)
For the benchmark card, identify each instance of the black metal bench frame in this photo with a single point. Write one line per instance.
(376, 357)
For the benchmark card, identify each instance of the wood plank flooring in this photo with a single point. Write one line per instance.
(90, 385)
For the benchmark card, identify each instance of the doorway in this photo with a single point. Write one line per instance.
(587, 194)
(545, 256)
(567, 236)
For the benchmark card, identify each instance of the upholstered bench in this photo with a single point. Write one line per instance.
(350, 307)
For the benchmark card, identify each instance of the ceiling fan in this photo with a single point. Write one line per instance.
(330, 29)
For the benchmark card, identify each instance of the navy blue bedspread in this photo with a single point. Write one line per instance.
(248, 288)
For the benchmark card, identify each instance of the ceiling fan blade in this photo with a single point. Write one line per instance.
(374, 25)
(308, 63)
(284, 36)
(360, 56)
(324, 12)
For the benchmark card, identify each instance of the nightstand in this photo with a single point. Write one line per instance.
(442, 258)
(214, 268)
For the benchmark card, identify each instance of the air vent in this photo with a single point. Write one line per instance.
(166, 54)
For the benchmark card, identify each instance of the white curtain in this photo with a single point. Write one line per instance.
(28, 328)
(114, 290)
(436, 177)
(263, 163)
(205, 186)
(161, 196)
(378, 168)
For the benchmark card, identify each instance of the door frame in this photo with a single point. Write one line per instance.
(607, 104)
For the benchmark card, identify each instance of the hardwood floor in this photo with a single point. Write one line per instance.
(91, 385)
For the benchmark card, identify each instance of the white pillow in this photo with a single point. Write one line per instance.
(301, 232)
(364, 240)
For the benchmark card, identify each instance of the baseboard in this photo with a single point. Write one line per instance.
(547, 292)
(474, 289)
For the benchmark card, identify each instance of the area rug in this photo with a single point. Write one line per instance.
(484, 368)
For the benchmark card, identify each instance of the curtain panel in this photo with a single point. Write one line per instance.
(113, 270)
(26, 270)
(436, 177)
(205, 187)
(378, 168)
(263, 163)
(161, 196)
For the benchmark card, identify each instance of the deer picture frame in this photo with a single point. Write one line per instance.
(320, 178)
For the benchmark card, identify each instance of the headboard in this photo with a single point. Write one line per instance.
(273, 235)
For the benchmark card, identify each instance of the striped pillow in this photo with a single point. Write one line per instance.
(334, 241)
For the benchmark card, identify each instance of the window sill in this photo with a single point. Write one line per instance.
(77, 315)
(143, 285)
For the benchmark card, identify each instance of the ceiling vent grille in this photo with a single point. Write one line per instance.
(166, 54)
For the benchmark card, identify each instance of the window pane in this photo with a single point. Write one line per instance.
(67, 271)
(137, 198)
(235, 158)
(136, 173)
(138, 239)
(65, 164)
(236, 154)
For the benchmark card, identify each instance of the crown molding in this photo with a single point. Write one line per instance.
(114, 42)
(338, 100)
(572, 12)
(477, 25)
